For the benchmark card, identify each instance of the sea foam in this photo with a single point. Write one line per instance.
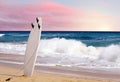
(2, 35)
(69, 52)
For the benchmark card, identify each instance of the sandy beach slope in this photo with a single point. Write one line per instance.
(41, 77)
(7, 71)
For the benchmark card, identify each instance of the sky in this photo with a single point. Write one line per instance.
(60, 15)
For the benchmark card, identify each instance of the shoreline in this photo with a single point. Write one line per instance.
(59, 70)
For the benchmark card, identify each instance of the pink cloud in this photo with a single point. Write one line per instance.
(55, 16)
(50, 7)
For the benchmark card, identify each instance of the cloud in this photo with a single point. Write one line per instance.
(55, 16)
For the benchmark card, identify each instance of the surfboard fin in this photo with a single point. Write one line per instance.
(37, 20)
(38, 26)
(32, 25)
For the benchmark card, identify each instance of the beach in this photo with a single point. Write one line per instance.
(50, 74)
(42, 77)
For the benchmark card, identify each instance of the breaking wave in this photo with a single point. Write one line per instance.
(69, 52)
(2, 35)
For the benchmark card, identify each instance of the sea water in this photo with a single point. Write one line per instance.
(68, 48)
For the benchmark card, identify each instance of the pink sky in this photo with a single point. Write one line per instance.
(56, 17)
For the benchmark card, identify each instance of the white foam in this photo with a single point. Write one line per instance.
(62, 47)
(110, 53)
(12, 48)
(70, 52)
(1, 35)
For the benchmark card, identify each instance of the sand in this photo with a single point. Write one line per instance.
(16, 75)
(41, 77)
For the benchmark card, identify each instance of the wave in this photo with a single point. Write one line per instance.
(69, 52)
(1, 35)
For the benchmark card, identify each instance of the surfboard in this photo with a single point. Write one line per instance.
(32, 47)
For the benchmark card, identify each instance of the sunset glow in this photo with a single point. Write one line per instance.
(58, 15)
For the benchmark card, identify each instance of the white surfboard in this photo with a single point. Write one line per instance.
(32, 47)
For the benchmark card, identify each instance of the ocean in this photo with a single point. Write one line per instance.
(68, 48)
